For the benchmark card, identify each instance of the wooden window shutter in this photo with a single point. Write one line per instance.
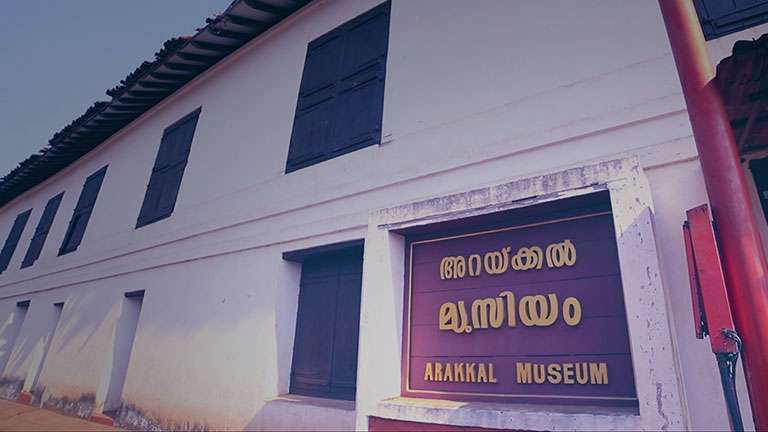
(314, 124)
(361, 88)
(341, 95)
(327, 326)
(722, 17)
(41, 232)
(165, 181)
(82, 212)
(13, 239)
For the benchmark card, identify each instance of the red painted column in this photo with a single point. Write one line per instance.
(743, 257)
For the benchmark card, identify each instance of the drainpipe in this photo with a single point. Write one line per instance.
(742, 252)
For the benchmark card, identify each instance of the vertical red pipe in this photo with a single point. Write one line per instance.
(743, 256)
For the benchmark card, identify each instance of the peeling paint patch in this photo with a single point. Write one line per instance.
(10, 387)
(133, 417)
(660, 408)
(81, 407)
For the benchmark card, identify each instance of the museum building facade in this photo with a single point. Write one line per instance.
(339, 214)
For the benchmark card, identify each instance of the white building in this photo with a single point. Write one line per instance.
(162, 288)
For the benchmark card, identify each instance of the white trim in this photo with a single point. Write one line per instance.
(656, 370)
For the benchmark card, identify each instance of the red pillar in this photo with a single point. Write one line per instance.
(743, 257)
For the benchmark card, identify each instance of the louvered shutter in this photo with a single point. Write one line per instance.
(41, 232)
(327, 326)
(346, 334)
(13, 239)
(313, 352)
(361, 88)
(170, 163)
(313, 127)
(721, 17)
(341, 94)
(82, 212)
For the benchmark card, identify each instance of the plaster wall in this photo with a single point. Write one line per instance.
(474, 96)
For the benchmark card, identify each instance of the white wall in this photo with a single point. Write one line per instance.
(475, 94)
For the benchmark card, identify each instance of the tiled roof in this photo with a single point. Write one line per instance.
(178, 61)
(742, 80)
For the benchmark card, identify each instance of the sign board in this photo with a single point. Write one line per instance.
(525, 314)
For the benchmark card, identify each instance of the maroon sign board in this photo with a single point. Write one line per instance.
(526, 314)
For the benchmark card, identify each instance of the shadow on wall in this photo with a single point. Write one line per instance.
(86, 314)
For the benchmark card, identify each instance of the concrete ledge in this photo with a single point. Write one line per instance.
(509, 416)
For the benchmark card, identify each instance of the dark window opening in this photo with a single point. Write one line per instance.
(13, 239)
(722, 17)
(125, 334)
(171, 160)
(82, 212)
(341, 95)
(41, 232)
(327, 325)
(12, 329)
(759, 168)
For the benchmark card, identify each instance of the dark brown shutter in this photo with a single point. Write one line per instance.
(721, 17)
(327, 326)
(341, 95)
(82, 212)
(165, 181)
(13, 239)
(41, 232)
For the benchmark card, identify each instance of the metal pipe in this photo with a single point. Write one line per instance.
(743, 257)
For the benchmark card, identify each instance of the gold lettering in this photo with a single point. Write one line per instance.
(458, 370)
(568, 373)
(449, 317)
(538, 374)
(448, 372)
(471, 372)
(538, 310)
(482, 375)
(491, 376)
(598, 373)
(497, 262)
(464, 320)
(511, 315)
(523, 373)
(483, 308)
(582, 373)
(475, 263)
(571, 311)
(438, 371)
(553, 373)
(561, 254)
(454, 317)
(428, 375)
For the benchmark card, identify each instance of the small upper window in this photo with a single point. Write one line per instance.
(82, 212)
(341, 96)
(41, 232)
(165, 181)
(721, 17)
(13, 239)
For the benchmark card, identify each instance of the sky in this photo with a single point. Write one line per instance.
(58, 57)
